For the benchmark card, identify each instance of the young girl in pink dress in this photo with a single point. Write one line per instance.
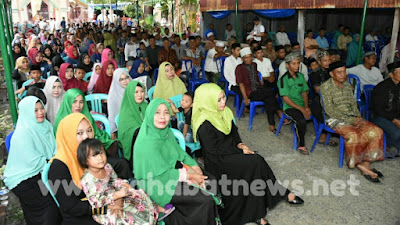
(102, 187)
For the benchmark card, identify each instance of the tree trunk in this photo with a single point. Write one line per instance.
(148, 10)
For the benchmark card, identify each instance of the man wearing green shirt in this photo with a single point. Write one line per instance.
(294, 89)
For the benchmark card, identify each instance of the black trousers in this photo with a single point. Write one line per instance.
(300, 124)
(236, 89)
(38, 209)
(266, 95)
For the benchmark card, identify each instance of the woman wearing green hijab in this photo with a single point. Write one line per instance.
(168, 83)
(156, 157)
(74, 102)
(226, 154)
(133, 108)
(352, 50)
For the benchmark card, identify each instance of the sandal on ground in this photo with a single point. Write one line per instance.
(380, 175)
(258, 222)
(374, 180)
(273, 131)
(168, 210)
(330, 143)
(303, 150)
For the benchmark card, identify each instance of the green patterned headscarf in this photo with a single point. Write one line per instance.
(156, 153)
(131, 117)
(65, 110)
(205, 107)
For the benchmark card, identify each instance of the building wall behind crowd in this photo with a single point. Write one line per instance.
(315, 19)
(23, 10)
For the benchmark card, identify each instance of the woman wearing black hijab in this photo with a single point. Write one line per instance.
(47, 52)
(56, 46)
(56, 63)
(18, 51)
(85, 62)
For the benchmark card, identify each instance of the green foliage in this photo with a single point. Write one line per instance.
(130, 11)
(150, 22)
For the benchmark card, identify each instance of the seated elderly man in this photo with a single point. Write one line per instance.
(367, 72)
(363, 140)
(386, 107)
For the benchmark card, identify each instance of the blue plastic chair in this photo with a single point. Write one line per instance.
(220, 61)
(193, 76)
(104, 120)
(8, 141)
(293, 128)
(179, 136)
(116, 120)
(155, 76)
(95, 101)
(360, 103)
(253, 107)
(45, 180)
(87, 76)
(150, 92)
(323, 126)
(368, 94)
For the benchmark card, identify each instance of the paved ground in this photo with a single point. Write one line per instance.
(358, 202)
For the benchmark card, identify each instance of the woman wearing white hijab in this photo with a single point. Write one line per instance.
(54, 92)
(95, 75)
(120, 80)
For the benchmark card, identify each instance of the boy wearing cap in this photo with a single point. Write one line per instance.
(363, 140)
(210, 42)
(252, 88)
(385, 104)
(35, 73)
(367, 72)
(294, 90)
(211, 65)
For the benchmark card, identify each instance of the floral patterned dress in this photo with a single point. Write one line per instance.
(136, 211)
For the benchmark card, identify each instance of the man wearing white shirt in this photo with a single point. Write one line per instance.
(367, 72)
(130, 48)
(258, 30)
(229, 32)
(210, 64)
(264, 66)
(230, 66)
(372, 37)
(112, 17)
(282, 37)
(145, 39)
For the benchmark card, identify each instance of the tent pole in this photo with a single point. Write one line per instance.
(237, 22)
(300, 29)
(395, 31)
(8, 32)
(7, 68)
(173, 12)
(360, 42)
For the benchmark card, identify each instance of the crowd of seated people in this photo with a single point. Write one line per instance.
(143, 73)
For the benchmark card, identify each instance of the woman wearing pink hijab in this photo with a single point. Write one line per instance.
(68, 79)
(108, 54)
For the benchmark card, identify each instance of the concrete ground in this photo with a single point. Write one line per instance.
(332, 195)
